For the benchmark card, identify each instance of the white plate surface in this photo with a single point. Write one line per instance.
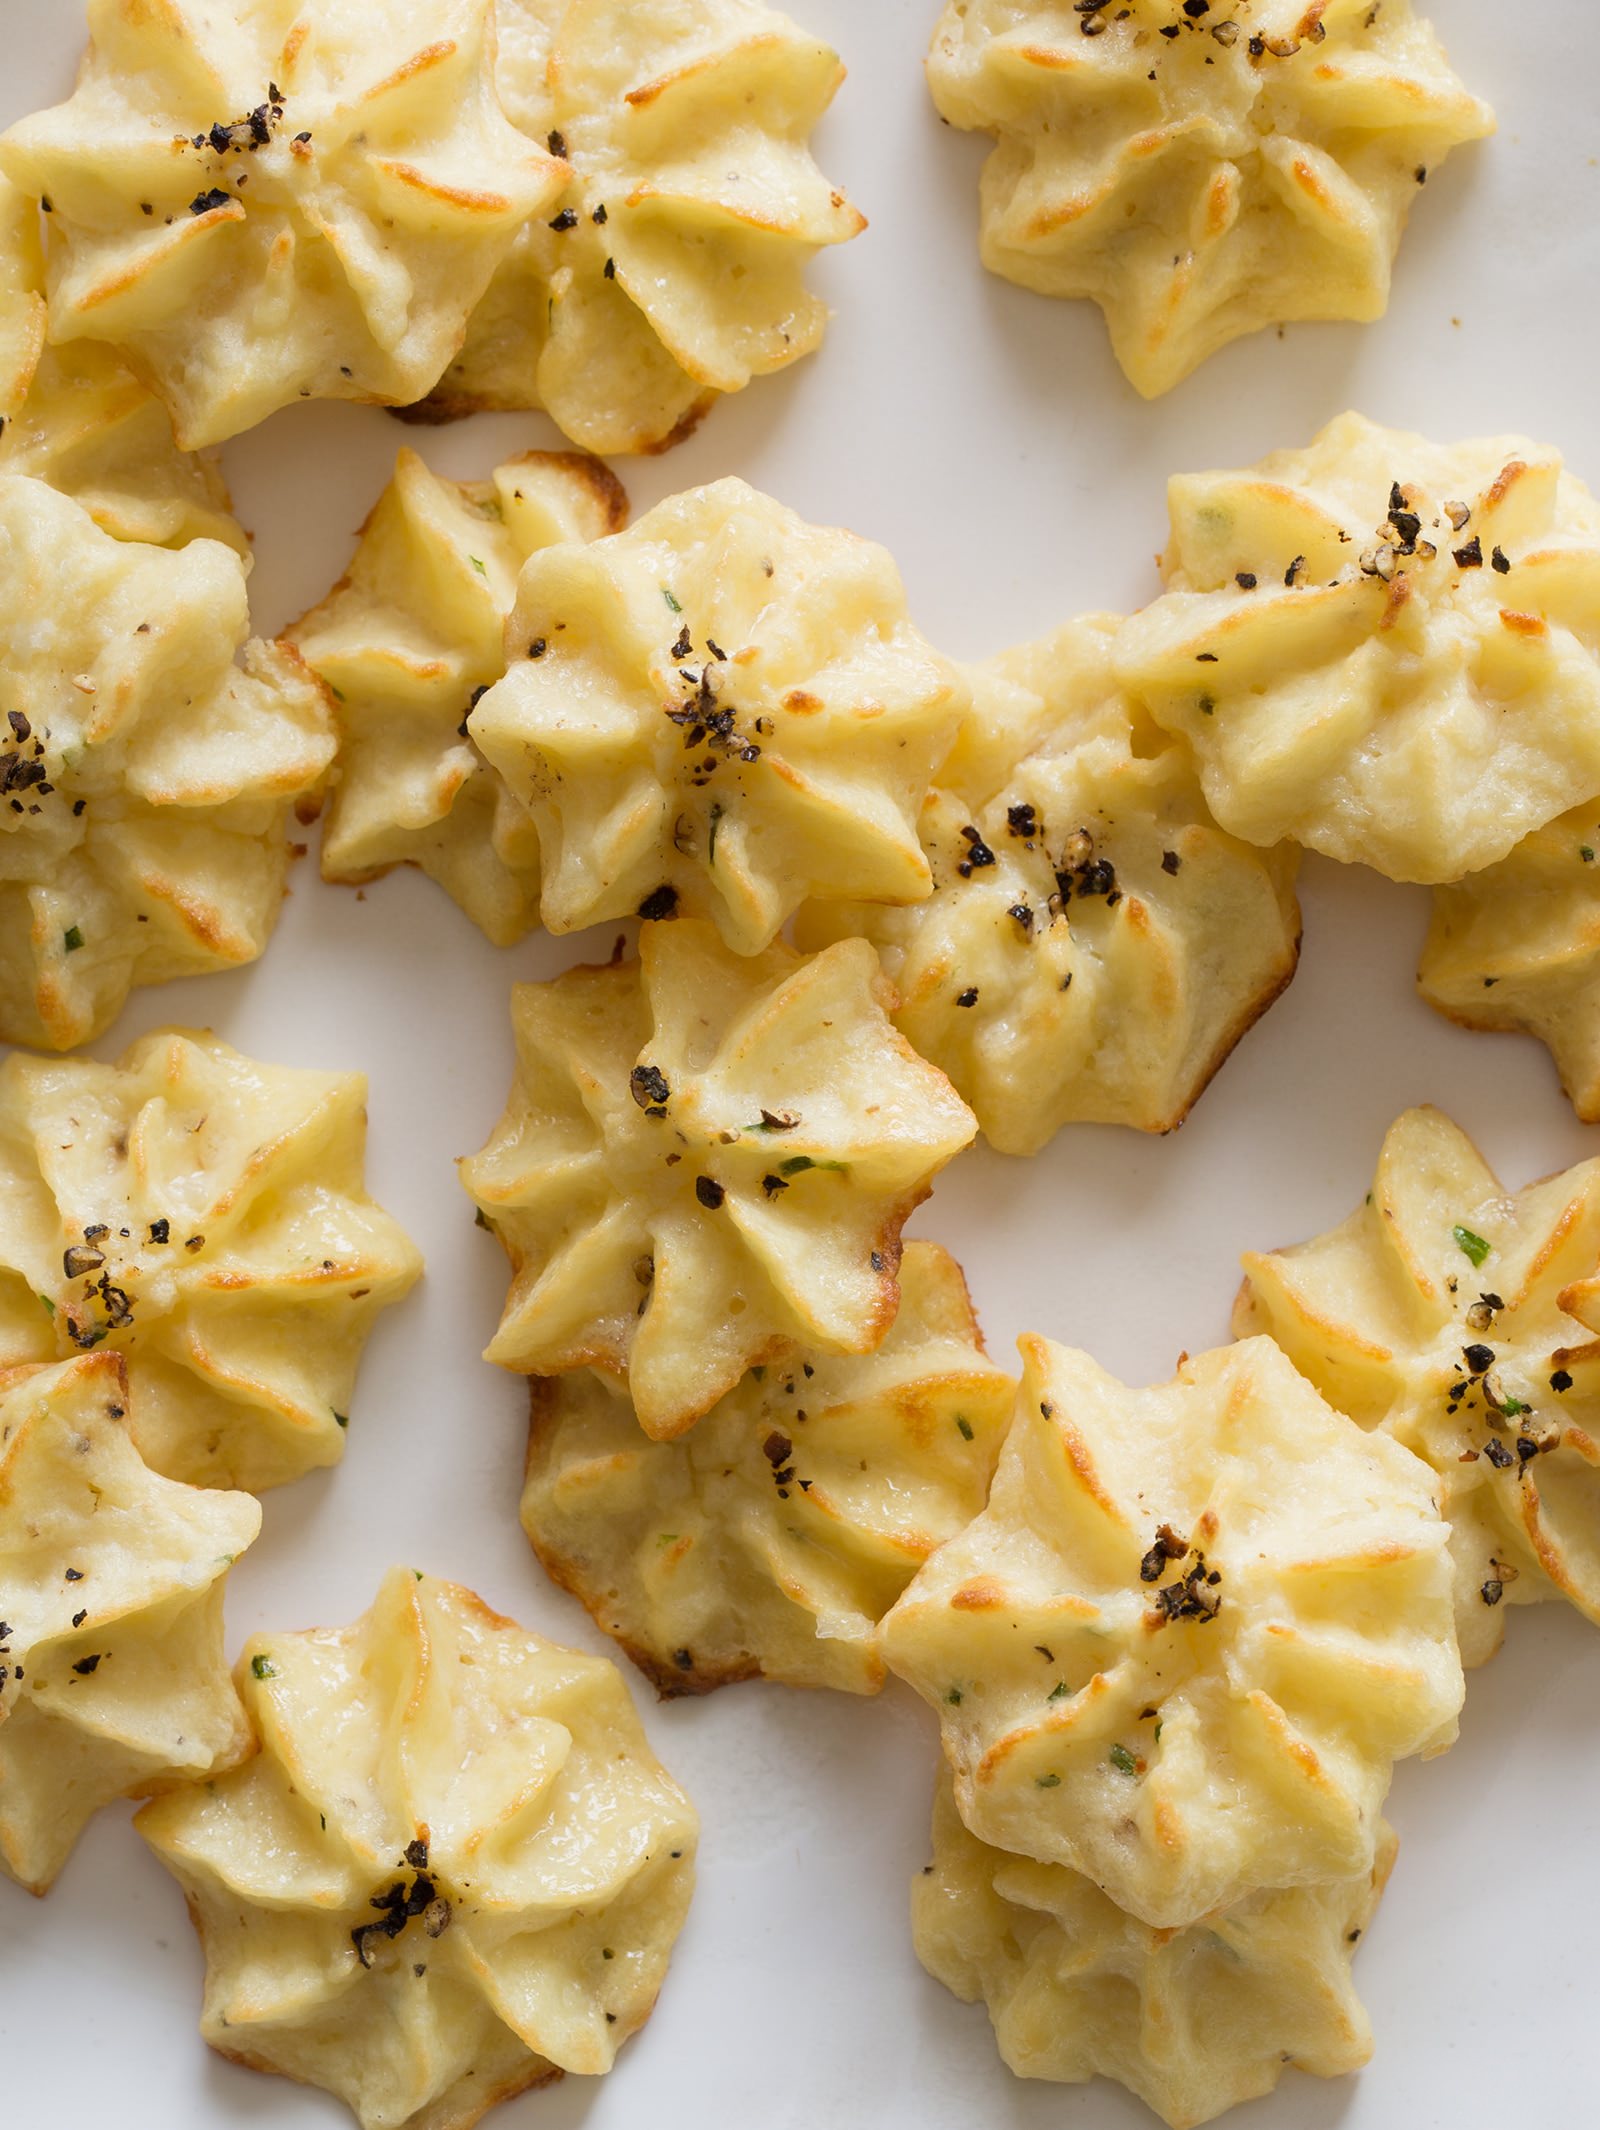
(987, 438)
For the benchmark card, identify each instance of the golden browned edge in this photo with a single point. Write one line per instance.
(443, 406)
(671, 1681)
(1258, 1008)
(1492, 1022)
(594, 473)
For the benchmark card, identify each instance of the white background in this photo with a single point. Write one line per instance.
(986, 436)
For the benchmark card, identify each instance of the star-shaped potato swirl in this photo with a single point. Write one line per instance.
(268, 204)
(770, 1540)
(673, 267)
(205, 1217)
(453, 1870)
(408, 641)
(706, 1162)
(1200, 170)
(1386, 649)
(720, 712)
(1459, 1317)
(1193, 2021)
(1095, 945)
(149, 759)
(112, 1677)
(1183, 1646)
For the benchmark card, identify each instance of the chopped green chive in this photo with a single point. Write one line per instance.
(1470, 1245)
(964, 1425)
(49, 1306)
(1123, 1761)
(73, 938)
(1511, 1407)
(667, 596)
(797, 1164)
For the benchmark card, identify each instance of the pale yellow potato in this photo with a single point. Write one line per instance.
(453, 1870)
(150, 759)
(1457, 1316)
(1095, 945)
(725, 709)
(1184, 1645)
(1200, 175)
(112, 1676)
(770, 1540)
(705, 1164)
(1385, 649)
(407, 641)
(672, 269)
(1517, 946)
(78, 418)
(262, 204)
(205, 1217)
(1194, 2021)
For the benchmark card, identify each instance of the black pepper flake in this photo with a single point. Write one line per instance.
(979, 856)
(969, 997)
(1498, 1455)
(87, 1666)
(1205, 658)
(709, 1192)
(160, 1231)
(1561, 1380)
(557, 144)
(78, 1618)
(600, 217)
(204, 202)
(772, 1185)
(538, 647)
(1168, 1547)
(74, 1575)
(1246, 580)
(609, 271)
(566, 219)
(1500, 561)
(1023, 917)
(1470, 556)
(1022, 820)
(650, 1088)
(1478, 1358)
(684, 1659)
(659, 905)
(1493, 1591)
(1170, 861)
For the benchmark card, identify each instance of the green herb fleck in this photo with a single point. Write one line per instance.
(1059, 1691)
(667, 596)
(964, 1425)
(477, 565)
(262, 1668)
(343, 1419)
(1123, 1761)
(1158, 1730)
(954, 1697)
(1048, 1782)
(73, 938)
(1511, 1407)
(49, 1306)
(797, 1164)
(667, 1538)
(1470, 1245)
